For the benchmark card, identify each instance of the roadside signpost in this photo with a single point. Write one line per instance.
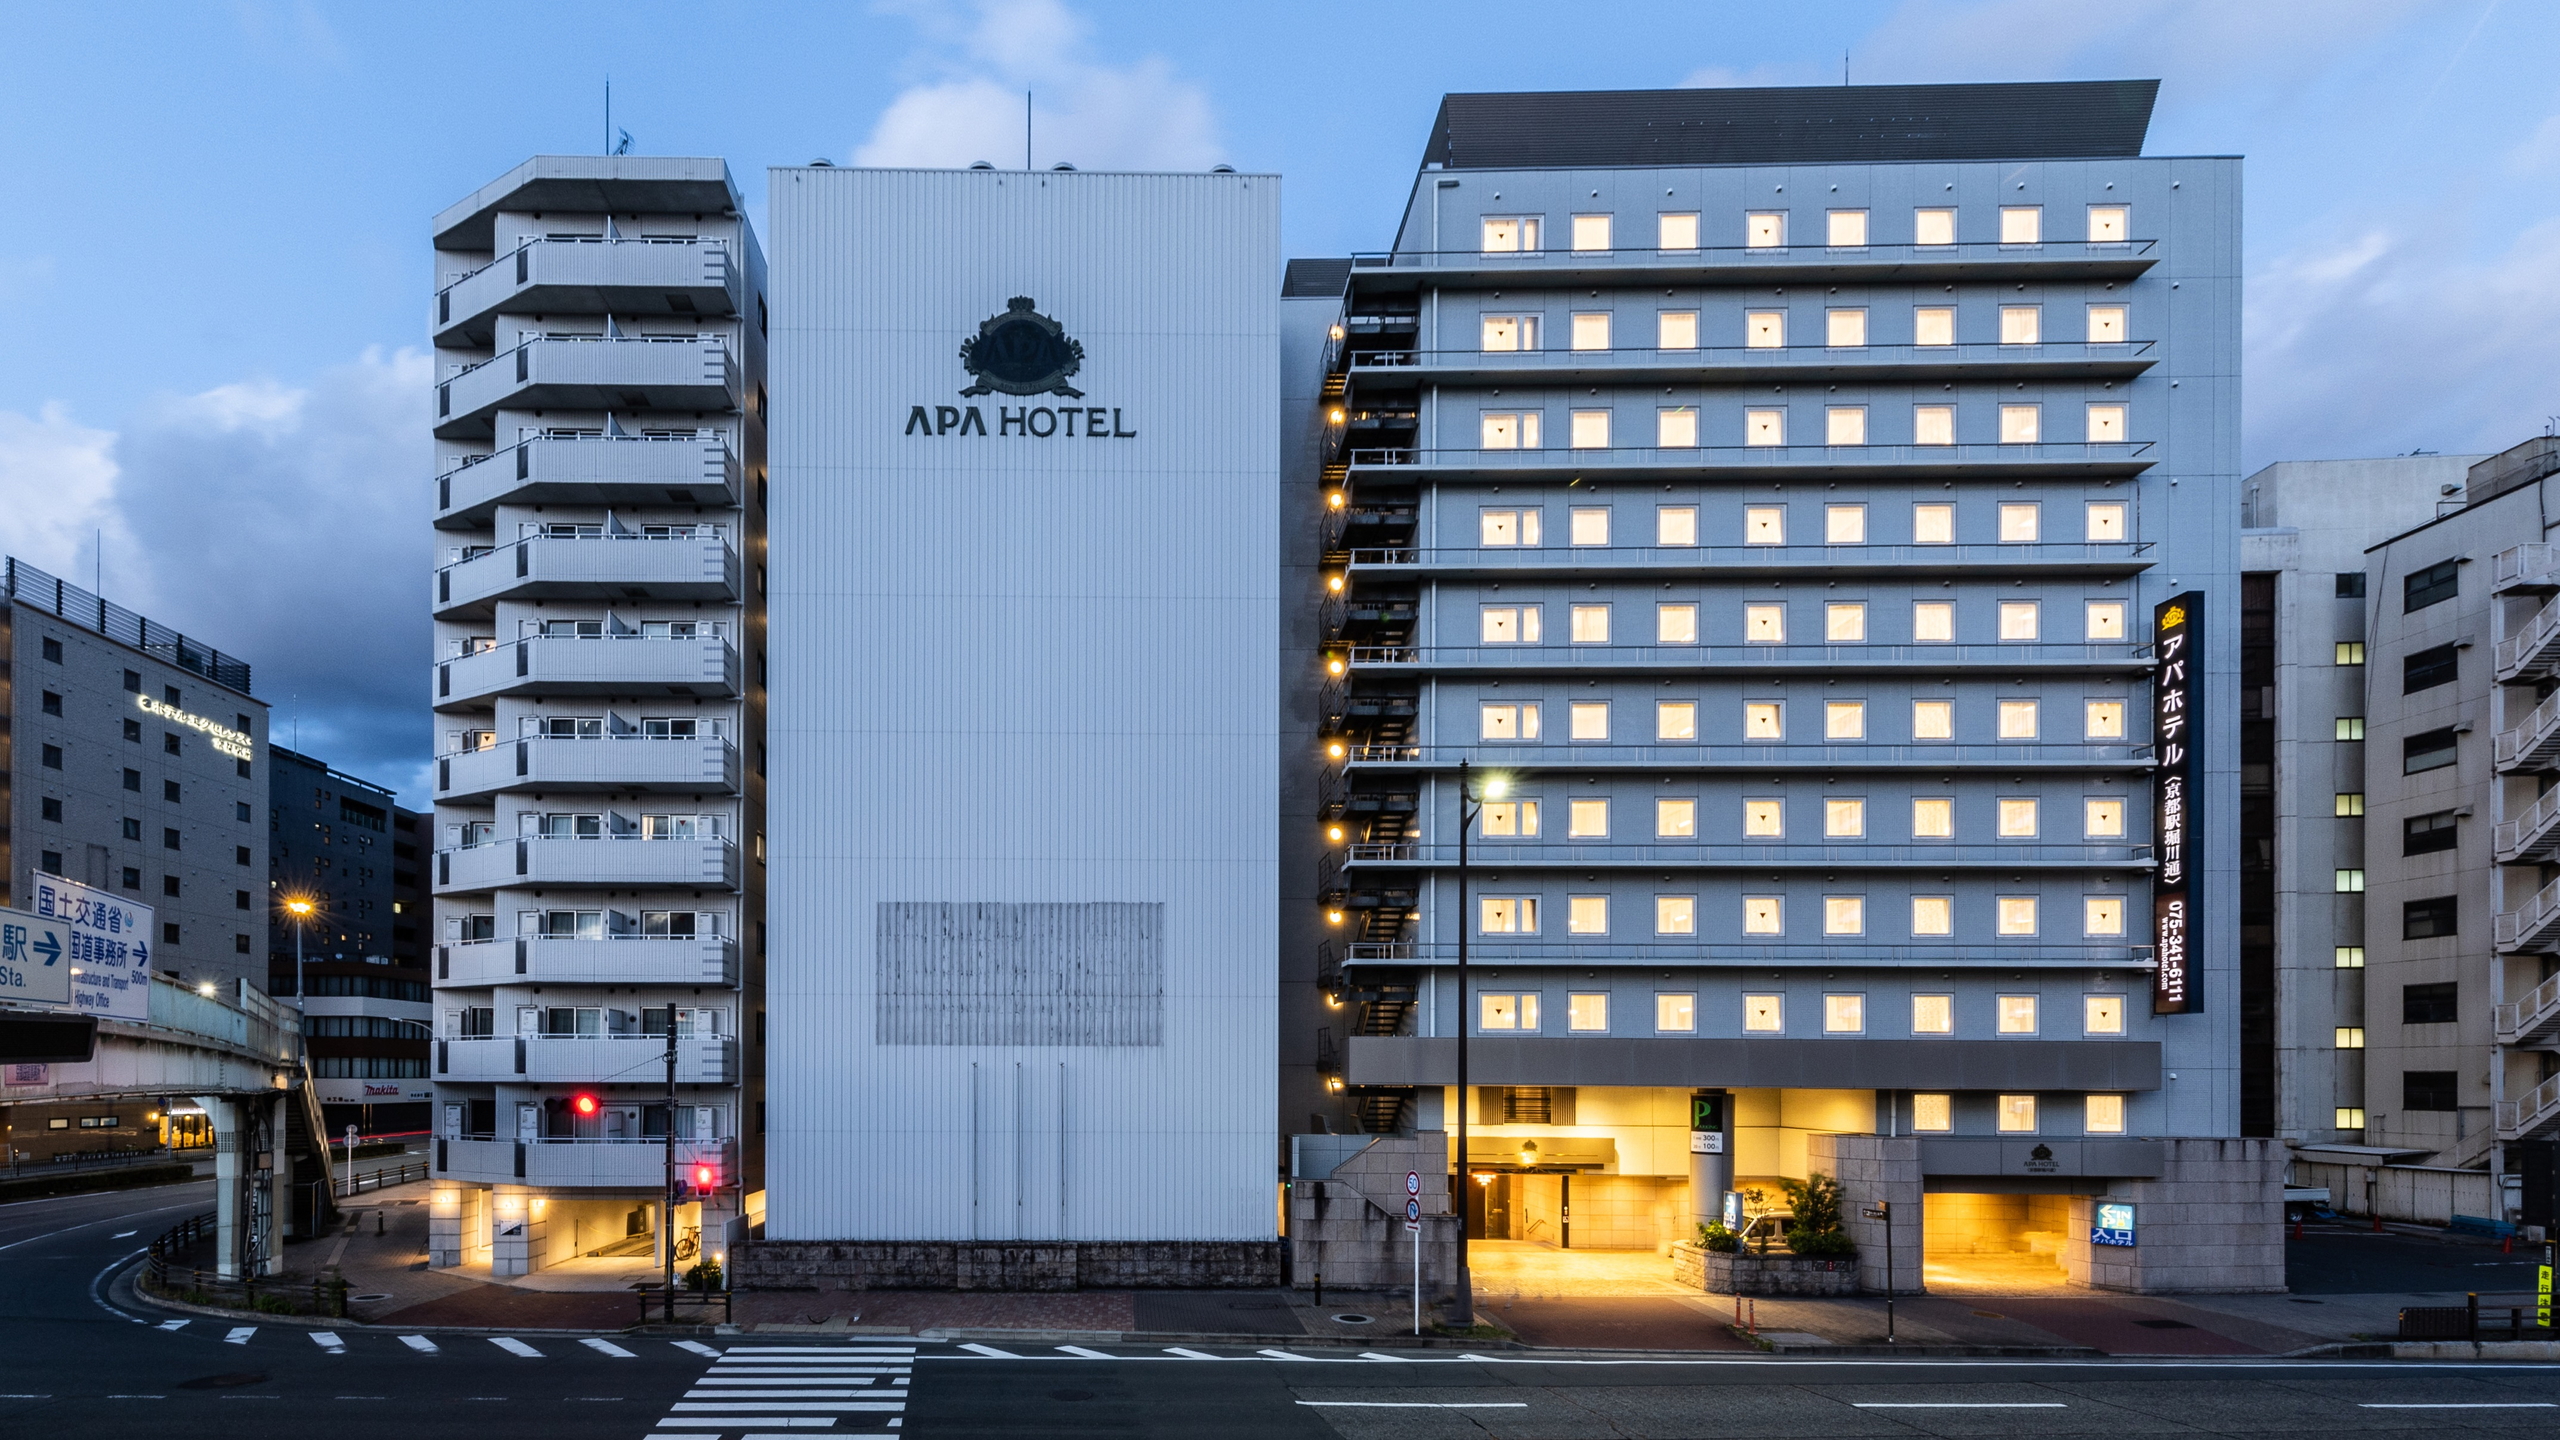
(1413, 1227)
(1883, 1210)
(2542, 1285)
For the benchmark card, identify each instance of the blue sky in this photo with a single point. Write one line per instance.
(218, 270)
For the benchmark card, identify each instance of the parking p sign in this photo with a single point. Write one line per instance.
(35, 960)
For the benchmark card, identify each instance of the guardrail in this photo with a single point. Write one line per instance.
(384, 1179)
(2474, 1320)
(702, 1299)
(324, 1295)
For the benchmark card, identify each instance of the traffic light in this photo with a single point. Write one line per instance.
(584, 1105)
(706, 1177)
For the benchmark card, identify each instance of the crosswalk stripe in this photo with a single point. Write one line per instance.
(328, 1341)
(175, 1324)
(240, 1335)
(697, 1347)
(797, 1392)
(514, 1346)
(989, 1351)
(778, 1405)
(607, 1347)
(419, 1343)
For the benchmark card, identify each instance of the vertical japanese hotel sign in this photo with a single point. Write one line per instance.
(2176, 989)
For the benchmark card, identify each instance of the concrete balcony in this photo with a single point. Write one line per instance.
(633, 665)
(2532, 836)
(1386, 370)
(598, 568)
(2536, 1112)
(2532, 926)
(1751, 462)
(1738, 562)
(557, 1163)
(2533, 744)
(588, 1059)
(693, 765)
(2532, 653)
(588, 373)
(1397, 271)
(1688, 660)
(598, 470)
(1524, 855)
(624, 861)
(2525, 570)
(625, 276)
(2534, 1018)
(614, 960)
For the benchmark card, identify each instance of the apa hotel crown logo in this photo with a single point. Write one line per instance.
(1021, 352)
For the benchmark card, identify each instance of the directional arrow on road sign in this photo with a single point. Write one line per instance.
(47, 946)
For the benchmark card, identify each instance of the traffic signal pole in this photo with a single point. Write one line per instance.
(667, 1217)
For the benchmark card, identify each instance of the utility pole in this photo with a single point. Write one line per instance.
(667, 1217)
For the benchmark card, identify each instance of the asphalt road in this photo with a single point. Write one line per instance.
(80, 1357)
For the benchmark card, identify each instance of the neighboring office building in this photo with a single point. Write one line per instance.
(368, 1027)
(1778, 496)
(598, 687)
(1025, 738)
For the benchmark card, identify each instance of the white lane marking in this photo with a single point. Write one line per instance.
(1087, 1354)
(1280, 1355)
(140, 1397)
(175, 1324)
(1188, 1354)
(419, 1343)
(840, 1405)
(1419, 1404)
(990, 1351)
(240, 1335)
(732, 1422)
(1374, 1355)
(822, 1349)
(514, 1346)
(801, 1392)
(2466, 1405)
(124, 1234)
(328, 1341)
(697, 1347)
(1961, 1405)
(607, 1347)
(25, 1397)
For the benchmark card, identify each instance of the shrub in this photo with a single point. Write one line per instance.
(275, 1305)
(1714, 1236)
(705, 1276)
(1814, 1229)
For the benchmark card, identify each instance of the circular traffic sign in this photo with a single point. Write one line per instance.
(1412, 1182)
(1413, 1209)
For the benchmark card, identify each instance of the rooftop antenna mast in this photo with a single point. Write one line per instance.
(608, 114)
(1844, 67)
(1026, 129)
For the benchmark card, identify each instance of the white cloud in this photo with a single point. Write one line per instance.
(967, 104)
(60, 480)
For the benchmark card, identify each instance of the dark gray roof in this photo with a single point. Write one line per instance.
(1792, 125)
(1314, 279)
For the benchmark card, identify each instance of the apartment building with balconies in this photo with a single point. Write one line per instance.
(597, 859)
(1806, 521)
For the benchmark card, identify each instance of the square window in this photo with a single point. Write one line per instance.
(2021, 325)
(1506, 1012)
(1933, 1014)
(1590, 232)
(53, 652)
(1933, 425)
(169, 886)
(1764, 624)
(2102, 915)
(1844, 329)
(2103, 720)
(2109, 225)
(1933, 524)
(1933, 915)
(169, 839)
(1588, 525)
(1509, 234)
(1586, 1011)
(1933, 226)
(2019, 524)
(170, 792)
(1933, 622)
(1933, 817)
(52, 703)
(1844, 915)
(2102, 1014)
(1676, 427)
(1844, 623)
(1510, 430)
(2105, 425)
(2016, 914)
(1764, 525)
(1590, 429)
(1508, 915)
(1933, 719)
(2102, 819)
(2017, 819)
(1587, 915)
(1764, 819)
(2018, 719)
(1511, 624)
(51, 756)
(1675, 624)
(1675, 914)
(1590, 624)
(1764, 720)
(1675, 819)
(1589, 720)
(1510, 722)
(2105, 1115)
(1764, 427)
(2018, 619)
(168, 932)
(1587, 820)
(2105, 522)
(1844, 425)
(1763, 229)
(1675, 720)
(1507, 332)
(1844, 524)
(2103, 620)
(132, 828)
(51, 809)
(1675, 1013)
(1844, 1014)
(2350, 804)
(1764, 329)
(1501, 529)
(1675, 525)
(1844, 720)
(2021, 224)
(2348, 1037)
(2106, 325)
(1844, 819)
(1591, 330)
(1933, 325)
(1511, 818)
(2350, 1117)
(2021, 424)
(1764, 1014)
(133, 731)
(1933, 1114)
(2017, 1114)
(50, 862)
(1676, 329)
(2349, 957)
(2350, 727)
(1848, 229)
(1764, 915)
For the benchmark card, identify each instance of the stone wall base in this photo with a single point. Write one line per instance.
(1723, 1272)
(1007, 1265)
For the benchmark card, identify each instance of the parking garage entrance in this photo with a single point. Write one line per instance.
(1987, 1244)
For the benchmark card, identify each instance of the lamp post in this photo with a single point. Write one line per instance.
(1469, 807)
(299, 907)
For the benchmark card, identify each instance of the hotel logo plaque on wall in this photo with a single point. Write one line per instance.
(1022, 352)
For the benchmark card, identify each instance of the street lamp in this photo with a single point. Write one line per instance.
(1469, 807)
(300, 908)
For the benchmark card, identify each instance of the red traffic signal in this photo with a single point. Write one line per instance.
(706, 1177)
(584, 1105)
